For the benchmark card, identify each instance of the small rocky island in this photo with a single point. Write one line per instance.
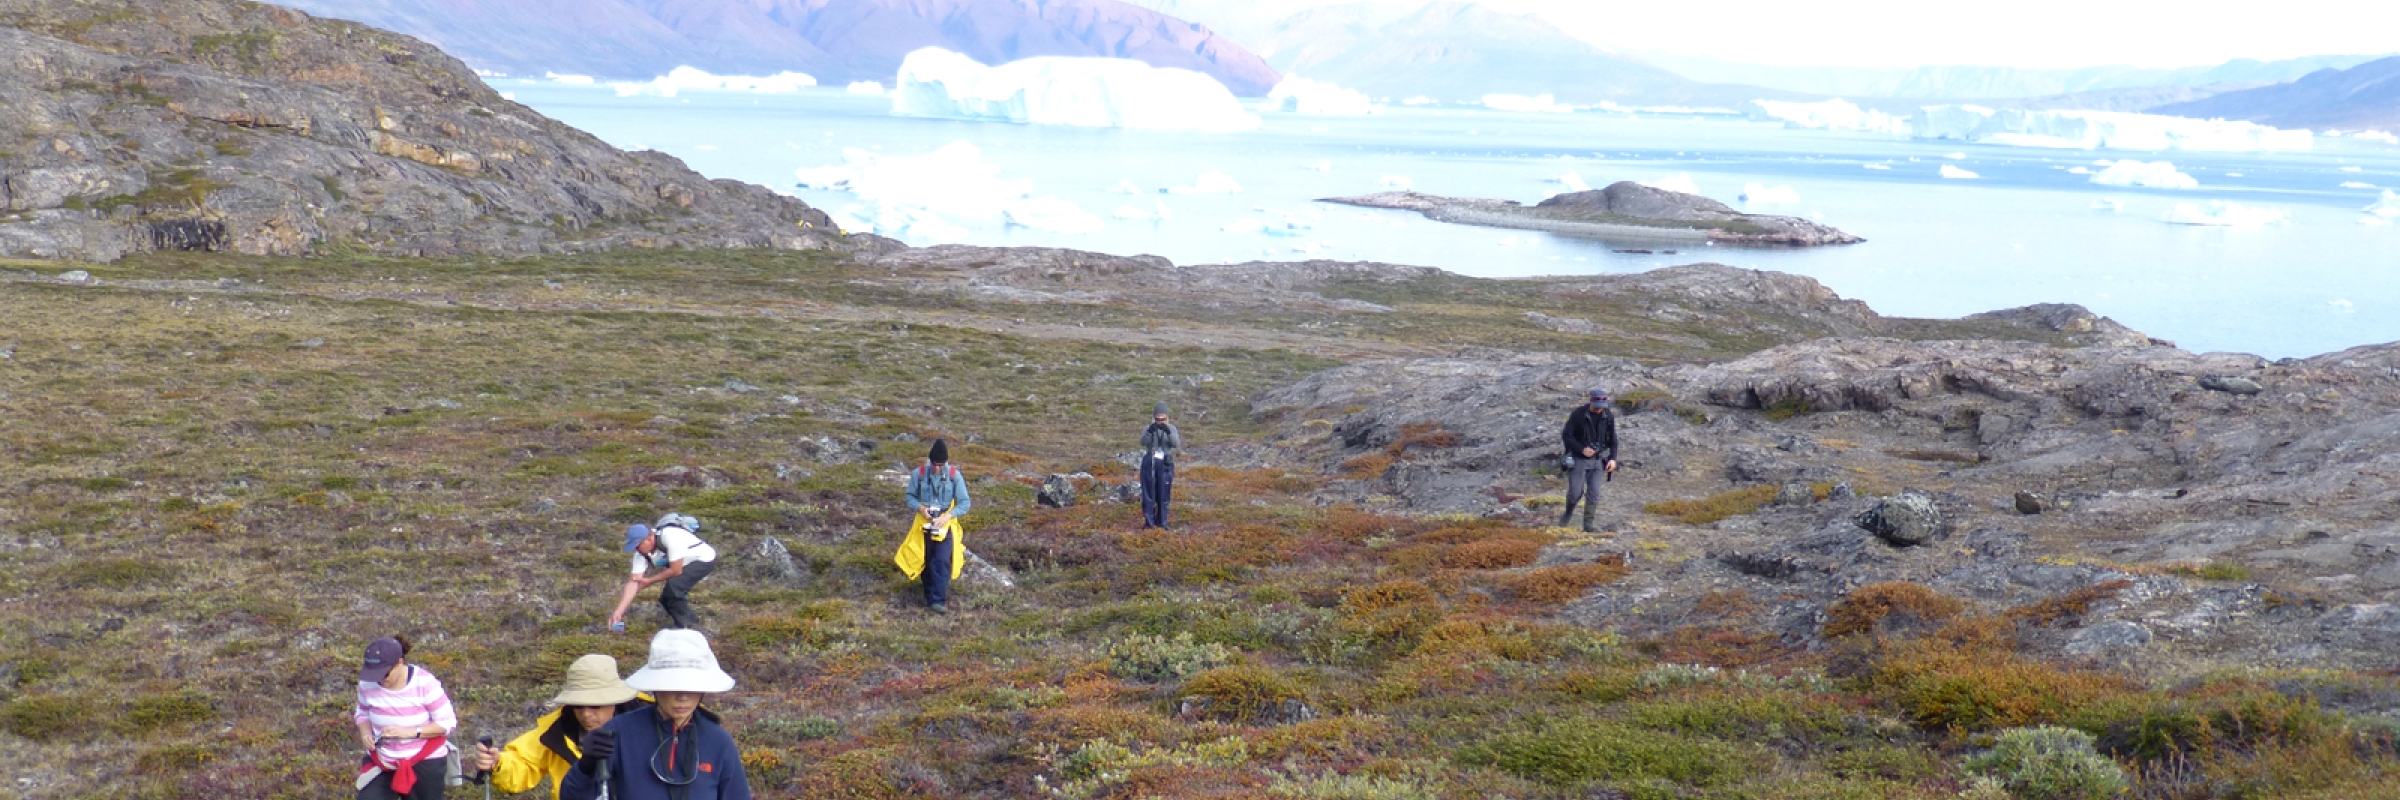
(1623, 210)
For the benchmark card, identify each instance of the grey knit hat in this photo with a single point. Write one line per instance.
(1159, 410)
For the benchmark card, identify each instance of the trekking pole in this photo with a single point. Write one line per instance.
(483, 776)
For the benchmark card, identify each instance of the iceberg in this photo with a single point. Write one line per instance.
(2357, 185)
(1883, 167)
(915, 198)
(1762, 194)
(1572, 181)
(2092, 130)
(1830, 115)
(1210, 182)
(2377, 136)
(869, 88)
(1679, 182)
(1955, 173)
(2155, 175)
(2079, 170)
(1082, 92)
(2224, 214)
(2108, 204)
(2388, 207)
(1537, 104)
(683, 78)
(1304, 96)
(2353, 169)
(570, 80)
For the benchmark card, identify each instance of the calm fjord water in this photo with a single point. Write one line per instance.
(2025, 231)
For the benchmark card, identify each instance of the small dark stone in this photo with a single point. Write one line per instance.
(2030, 503)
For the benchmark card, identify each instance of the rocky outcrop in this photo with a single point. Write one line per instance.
(1625, 211)
(225, 125)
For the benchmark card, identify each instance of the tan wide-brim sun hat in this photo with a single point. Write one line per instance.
(592, 681)
(680, 661)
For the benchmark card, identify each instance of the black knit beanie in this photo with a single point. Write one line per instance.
(941, 452)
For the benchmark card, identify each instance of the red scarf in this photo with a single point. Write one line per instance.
(404, 774)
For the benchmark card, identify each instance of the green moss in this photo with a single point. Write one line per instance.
(1580, 752)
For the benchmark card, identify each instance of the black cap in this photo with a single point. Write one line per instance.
(941, 452)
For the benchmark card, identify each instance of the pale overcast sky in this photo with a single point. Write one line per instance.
(2021, 33)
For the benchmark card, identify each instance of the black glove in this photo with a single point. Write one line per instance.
(597, 746)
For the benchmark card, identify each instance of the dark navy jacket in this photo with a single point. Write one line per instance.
(630, 777)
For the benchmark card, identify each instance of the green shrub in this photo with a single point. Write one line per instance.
(159, 711)
(2049, 763)
(1332, 786)
(1239, 694)
(1152, 658)
(115, 573)
(1579, 752)
(49, 717)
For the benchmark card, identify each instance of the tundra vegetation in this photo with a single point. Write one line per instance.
(226, 474)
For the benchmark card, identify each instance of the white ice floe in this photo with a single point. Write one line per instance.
(1829, 115)
(2353, 169)
(868, 88)
(1678, 182)
(2089, 130)
(2224, 214)
(2079, 170)
(1084, 92)
(916, 198)
(1955, 173)
(1956, 156)
(570, 80)
(1882, 167)
(1210, 182)
(2233, 174)
(1395, 182)
(509, 96)
(2377, 136)
(681, 79)
(1304, 96)
(2108, 204)
(1419, 100)
(1538, 104)
(2387, 207)
(1572, 181)
(2375, 222)
(1762, 194)
(2152, 174)
(2357, 185)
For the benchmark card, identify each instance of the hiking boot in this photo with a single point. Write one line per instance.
(1566, 516)
(941, 608)
(1587, 519)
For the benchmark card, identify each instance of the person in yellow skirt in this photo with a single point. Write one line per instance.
(935, 549)
(593, 696)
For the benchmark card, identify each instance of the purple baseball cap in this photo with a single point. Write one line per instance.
(634, 536)
(381, 655)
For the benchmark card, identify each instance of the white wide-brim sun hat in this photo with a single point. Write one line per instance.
(680, 661)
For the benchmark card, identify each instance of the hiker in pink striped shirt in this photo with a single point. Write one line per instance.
(404, 719)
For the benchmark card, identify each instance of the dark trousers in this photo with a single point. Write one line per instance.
(1158, 487)
(430, 774)
(937, 570)
(1583, 482)
(676, 598)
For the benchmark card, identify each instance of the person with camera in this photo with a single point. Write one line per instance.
(593, 695)
(672, 750)
(1159, 443)
(935, 549)
(1590, 457)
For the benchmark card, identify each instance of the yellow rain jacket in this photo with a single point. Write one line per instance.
(536, 753)
(911, 557)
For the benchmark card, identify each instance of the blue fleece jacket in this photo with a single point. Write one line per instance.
(939, 487)
(705, 753)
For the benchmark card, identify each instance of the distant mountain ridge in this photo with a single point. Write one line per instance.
(1454, 52)
(2364, 96)
(1954, 82)
(835, 41)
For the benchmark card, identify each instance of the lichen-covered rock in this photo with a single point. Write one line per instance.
(1907, 519)
(1057, 492)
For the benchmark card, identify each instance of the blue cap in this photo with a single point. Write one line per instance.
(1599, 394)
(634, 536)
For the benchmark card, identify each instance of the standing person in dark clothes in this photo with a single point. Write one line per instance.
(935, 549)
(1591, 453)
(1159, 443)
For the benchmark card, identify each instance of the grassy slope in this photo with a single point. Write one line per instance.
(215, 498)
